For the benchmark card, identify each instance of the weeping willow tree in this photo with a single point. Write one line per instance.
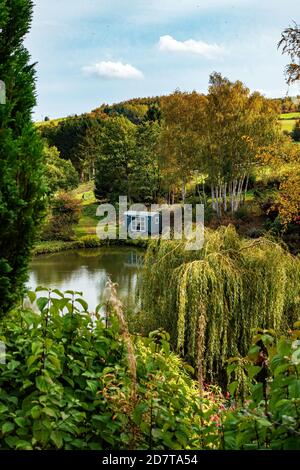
(211, 300)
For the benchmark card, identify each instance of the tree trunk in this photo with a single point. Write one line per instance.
(225, 197)
(213, 202)
(246, 189)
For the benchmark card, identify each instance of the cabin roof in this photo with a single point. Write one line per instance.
(141, 213)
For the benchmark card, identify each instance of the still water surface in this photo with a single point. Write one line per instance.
(87, 271)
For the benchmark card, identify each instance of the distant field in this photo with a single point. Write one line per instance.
(290, 116)
(288, 121)
(53, 122)
(287, 124)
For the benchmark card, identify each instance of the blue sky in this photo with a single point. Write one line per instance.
(91, 52)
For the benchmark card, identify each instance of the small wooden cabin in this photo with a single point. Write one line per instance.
(142, 223)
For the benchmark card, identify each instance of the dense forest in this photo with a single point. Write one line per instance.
(209, 358)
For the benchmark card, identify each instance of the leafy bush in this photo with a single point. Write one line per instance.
(296, 131)
(242, 213)
(274, 226)
(269, 416)
(68, 383)
(254, 232)
(66, 212)
(90, 241)
(60, 173)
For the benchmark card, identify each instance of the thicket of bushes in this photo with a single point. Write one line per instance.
(65, 214)
(69, 383)
(78, 381)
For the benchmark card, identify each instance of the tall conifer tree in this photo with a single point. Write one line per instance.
(21, 153)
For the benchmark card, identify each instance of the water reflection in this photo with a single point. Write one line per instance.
(87, 271)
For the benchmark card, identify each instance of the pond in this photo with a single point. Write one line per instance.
(87, 271)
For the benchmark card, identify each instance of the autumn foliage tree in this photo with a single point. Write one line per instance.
(182, 130)
(238, 123)
(285, 155)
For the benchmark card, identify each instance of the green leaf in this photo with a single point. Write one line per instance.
(93, 386)
(12, 365)
(36, 412)
(294, 389)
(57, 439)
(267, 339)
(296, 357)
(24, 445)
(36, 347)
(31, 360)
(7, 427)
(49, 412)
(31, 296)
(231, 368)
(11, 441)
(43, 383)
(21, 422)
(264, 422)
(41, 303)
(284, 347)
(60, 304)
(253, 371)
(257, 392)
(41, 289)
(42, 435)
(83, 303)
(138, 412)
(233, 387)
(3, 408)
(54, 361)
(58, 292)
(99, 307)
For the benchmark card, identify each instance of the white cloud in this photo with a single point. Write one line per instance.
(109, 69)
(168, 43)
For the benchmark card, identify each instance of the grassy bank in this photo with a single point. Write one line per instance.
(48, 247)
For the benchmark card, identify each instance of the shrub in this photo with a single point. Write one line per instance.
(268, 416)
(70, 383)
(296, 132)
(90, 241)
(254, 232)
(66, 212)
(242, 213)
(60, 173)
(274, 226)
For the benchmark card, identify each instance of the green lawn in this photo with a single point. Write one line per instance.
(288, 124)
(88, 220)
(288, 121)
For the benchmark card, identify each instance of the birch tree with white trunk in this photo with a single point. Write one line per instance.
(238, 125)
